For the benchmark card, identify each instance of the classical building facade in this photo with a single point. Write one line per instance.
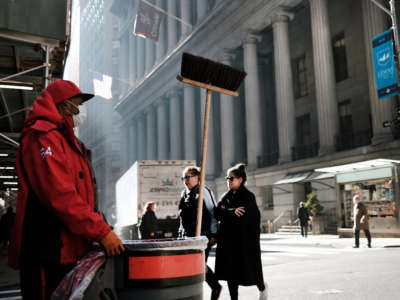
(309, 99)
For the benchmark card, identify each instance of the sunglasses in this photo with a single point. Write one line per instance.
(187, 177)
(230, 178)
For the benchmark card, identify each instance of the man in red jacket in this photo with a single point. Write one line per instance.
(55, 221)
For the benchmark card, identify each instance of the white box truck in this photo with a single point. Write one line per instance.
(149, 180)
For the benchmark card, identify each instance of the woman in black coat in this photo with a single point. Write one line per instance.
(148, 226)
(238, 256)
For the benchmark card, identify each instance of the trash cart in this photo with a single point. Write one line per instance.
(165, 269)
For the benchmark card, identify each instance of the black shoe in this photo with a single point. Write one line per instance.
(216, 292)
(369, 246)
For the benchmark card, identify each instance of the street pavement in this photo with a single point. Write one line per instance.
(324, 267)
(319, 267)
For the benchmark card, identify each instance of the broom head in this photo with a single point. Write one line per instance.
(206, 71)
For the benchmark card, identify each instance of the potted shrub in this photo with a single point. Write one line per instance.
(315, 208)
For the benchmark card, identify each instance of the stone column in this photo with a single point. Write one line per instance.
(124, 67)
(324, 74)
(125, 139)
(160, 46)
(211, 162)
(151, 133)
(141, 138)
(140, 57)
(132, 60)
(201, 9)
(172, 25)
(375, 22)
(150, 54)
(227, 123)
(252, 101)
(162, 130)
(132, 141)
(186, 14)
(175, 124)
(283, 87)
(189, 118)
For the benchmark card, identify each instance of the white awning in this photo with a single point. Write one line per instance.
(293, 178)
(358, 166)
(320, 176)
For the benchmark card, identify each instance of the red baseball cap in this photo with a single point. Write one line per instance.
(61, 90)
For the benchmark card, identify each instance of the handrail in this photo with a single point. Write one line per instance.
(272, 224)
(278, 217)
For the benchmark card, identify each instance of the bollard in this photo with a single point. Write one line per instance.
(165, 269)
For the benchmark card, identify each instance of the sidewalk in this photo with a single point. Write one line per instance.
(10, 277)
(323, 240)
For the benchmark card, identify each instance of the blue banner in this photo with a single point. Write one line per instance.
(384, 65)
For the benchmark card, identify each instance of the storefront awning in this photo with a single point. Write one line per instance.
(293, 178)
(358, 166)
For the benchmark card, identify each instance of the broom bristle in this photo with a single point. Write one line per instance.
(210, 72)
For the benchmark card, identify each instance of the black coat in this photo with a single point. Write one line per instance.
(238, 255)
(148, 225)
(302, 214)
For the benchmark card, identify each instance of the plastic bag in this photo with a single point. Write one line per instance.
(75, 283)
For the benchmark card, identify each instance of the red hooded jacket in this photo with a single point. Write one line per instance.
(54, 171)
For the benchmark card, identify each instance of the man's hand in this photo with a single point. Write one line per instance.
(112, 244)
(240, 211)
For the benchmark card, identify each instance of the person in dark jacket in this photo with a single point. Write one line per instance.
(360, 214)
(238, 256)
(56, 221)
(6, 224)
(302, 214)
(188, 217)
(148, 225)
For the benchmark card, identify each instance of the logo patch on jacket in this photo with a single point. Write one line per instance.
(44, 152)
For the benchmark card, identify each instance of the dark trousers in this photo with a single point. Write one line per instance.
(304, 229)
(357, 237)
(234, 288)
(38, 281)
(211, 279)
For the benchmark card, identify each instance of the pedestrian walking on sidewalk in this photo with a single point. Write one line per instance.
(360, 214)
(188, 217)
(148, 225)
(238, 256)
(304, 217)
(56, 221)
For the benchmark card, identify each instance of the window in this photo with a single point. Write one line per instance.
(339, 57)
(303, 130)
(268, 198)
(301, 88)
(345, 118)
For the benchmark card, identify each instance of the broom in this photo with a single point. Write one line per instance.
(212, 76)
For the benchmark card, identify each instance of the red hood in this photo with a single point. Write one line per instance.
(43, 109)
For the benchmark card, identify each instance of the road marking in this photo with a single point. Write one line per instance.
(326, 292)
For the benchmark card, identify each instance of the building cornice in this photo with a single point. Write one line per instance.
(235, 18)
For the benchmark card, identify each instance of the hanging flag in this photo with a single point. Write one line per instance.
(384, 65)
(102, 85)
(148, 21)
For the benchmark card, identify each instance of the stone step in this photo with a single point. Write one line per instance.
(288, 230)
(288, 226)
(291, 233)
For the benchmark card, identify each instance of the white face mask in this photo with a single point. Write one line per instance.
(80, 117)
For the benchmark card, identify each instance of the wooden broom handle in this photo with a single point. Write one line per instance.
(203, 163)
